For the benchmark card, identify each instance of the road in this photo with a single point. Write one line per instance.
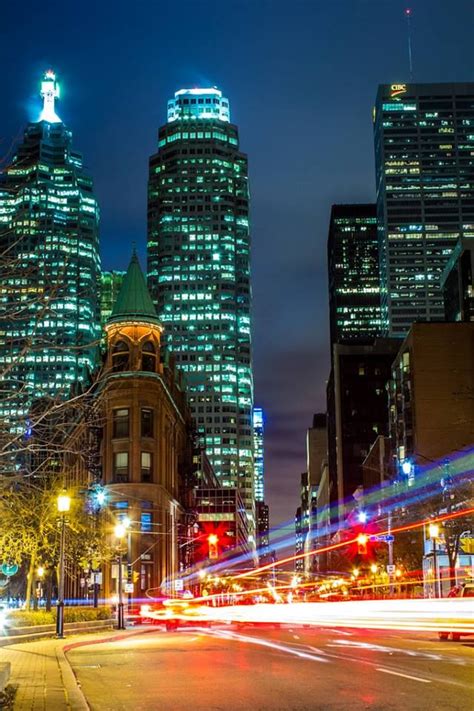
(300, 669)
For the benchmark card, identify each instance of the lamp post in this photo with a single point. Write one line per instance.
(433, 530)
(120, 531)
(63, 505)
(373, 570)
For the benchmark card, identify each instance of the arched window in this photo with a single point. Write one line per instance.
(149, 357)
(120, 356)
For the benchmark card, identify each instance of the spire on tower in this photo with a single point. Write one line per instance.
(49, 92)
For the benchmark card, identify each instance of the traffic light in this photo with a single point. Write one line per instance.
(362, 544)
(213, 540)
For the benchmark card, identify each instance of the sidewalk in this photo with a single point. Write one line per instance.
(41, 674)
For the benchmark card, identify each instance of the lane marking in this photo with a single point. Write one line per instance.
(406, 676)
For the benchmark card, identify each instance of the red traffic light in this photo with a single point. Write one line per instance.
(362, 544)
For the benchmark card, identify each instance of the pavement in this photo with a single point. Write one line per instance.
(239, 668)
(41, 675)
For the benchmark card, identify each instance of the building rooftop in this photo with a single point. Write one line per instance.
(134, 301)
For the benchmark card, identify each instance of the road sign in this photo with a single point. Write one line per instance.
(128, 588)
(9, 569)
(387, 538)
(391, 569)
(178, 584)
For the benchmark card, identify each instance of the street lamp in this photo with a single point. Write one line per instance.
(63, 505)
(120, 531)
(433, 532)
(373, 570)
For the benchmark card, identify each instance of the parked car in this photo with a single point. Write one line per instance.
(464, 590)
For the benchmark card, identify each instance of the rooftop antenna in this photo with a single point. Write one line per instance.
(408, 12)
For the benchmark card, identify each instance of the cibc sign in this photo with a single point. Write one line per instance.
(397, 90)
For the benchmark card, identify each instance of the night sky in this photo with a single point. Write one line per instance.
(301, 78)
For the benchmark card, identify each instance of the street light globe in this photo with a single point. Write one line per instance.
(406, 466)
(212, 539)
(40, 571)
(355, 572)
(63, 502)
(120, 530)
(373, 568)
(433, 529)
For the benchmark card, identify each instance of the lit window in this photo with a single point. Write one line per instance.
(121, 466)
(146, 473)
(146, 522)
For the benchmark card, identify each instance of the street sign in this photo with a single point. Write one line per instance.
(9, 569)
(387, 538)
(98, 578)
(391, 569)
(128, 588)
(178, 584)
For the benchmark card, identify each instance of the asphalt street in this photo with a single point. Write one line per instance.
(293, 668)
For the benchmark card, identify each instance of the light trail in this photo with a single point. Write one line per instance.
(391, 496)
(353, 541)
(438, 615)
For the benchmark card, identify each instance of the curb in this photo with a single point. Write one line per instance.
(47, 634)
(75, 695)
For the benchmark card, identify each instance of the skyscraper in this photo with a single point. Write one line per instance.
(199, 274)
(258, 434)
(425, 193)
(110, 283)
(49, 315)
(353, 274)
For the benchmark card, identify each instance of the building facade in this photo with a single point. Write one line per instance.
(458, 282)
(146, 443)
(49, 312)
(431, 396)
(259, 460)
(353, 274)
(223, 531)
(425, 194)
(199, 274)
(357, 413)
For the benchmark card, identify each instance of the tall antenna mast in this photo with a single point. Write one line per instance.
(410, 62)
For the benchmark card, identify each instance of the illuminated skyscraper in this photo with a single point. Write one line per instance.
(353, 274)
(424, 141)
(258, 434)
(110, 283)
(49, 315)
(199, 274)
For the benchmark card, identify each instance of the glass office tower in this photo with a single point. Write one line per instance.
(353, 274)
(110, 284)
(258, 434)
(199, 274)
(49, 315)
(424, 142)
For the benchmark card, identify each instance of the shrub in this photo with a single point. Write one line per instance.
(31, 618)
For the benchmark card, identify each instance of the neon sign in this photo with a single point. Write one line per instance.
(397, 90)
